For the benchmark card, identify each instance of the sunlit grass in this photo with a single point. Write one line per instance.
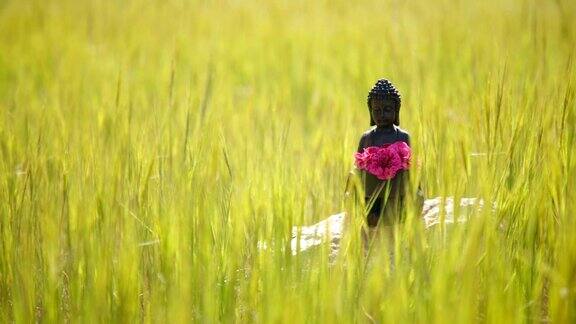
(146, 147)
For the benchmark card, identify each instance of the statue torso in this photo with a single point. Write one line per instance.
(377, 137)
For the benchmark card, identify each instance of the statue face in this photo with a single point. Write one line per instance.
(383, 111)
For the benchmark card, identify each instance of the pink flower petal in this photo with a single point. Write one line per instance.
(384, 162)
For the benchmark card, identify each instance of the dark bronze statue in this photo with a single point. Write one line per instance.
(384, 107)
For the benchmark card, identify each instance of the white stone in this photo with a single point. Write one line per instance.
(331, 229)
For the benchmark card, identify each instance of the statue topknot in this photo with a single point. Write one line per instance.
(384, 89)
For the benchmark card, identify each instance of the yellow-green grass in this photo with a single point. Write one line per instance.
(147, 146)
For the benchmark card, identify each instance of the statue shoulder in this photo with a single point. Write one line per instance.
(364, 139)
(403, 134)
(368, 132)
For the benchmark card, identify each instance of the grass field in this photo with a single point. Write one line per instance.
(147, 146)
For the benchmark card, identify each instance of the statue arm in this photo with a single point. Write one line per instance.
(361, 144)
(355, 174)
(420, 197)
(407, 139)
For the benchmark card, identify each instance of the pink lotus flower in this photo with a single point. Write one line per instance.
(384, 162)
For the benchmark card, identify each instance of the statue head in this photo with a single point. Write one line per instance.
(384, 104)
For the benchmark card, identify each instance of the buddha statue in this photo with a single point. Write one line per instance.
(384, 108)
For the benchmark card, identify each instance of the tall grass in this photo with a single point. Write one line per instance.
(146, 147)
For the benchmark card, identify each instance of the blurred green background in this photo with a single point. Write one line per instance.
(147, 146)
